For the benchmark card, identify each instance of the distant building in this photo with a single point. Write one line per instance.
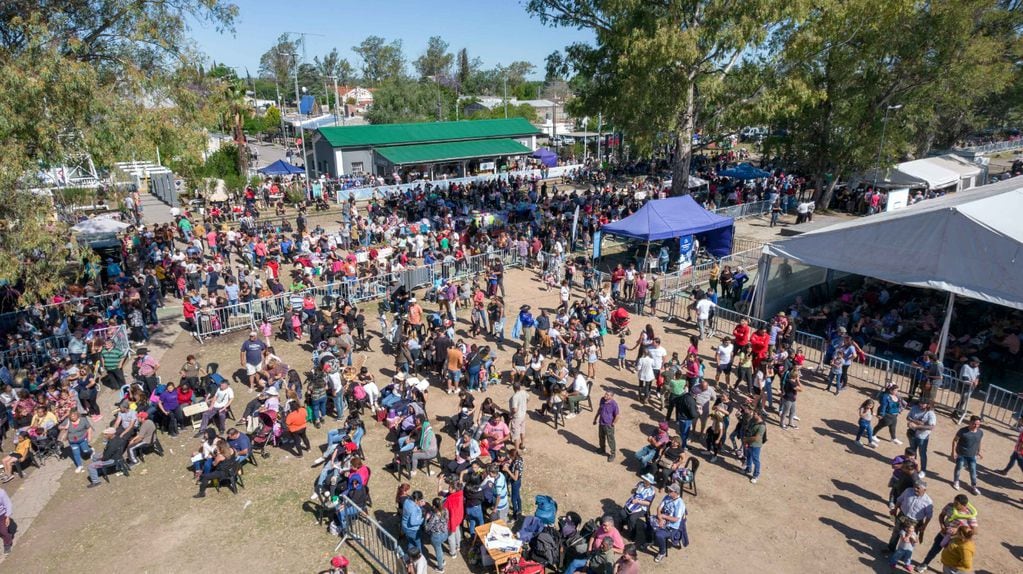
(432, 149)
(356, 99)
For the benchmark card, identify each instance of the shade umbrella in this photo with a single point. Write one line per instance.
(745, 171)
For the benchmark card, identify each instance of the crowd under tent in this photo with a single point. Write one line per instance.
(966, 245)
(675, 218)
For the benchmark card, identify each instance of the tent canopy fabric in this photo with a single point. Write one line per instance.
(281, 167)
(928, 173)
(546, 157)
(674, 217)
(100, 225)
(694, 182)
(969, 244)
(745, 171)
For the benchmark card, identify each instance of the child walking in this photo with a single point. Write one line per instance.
(866, 418)
(903, 555)
(622, 349)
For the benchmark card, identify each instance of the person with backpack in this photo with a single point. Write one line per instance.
(576, 549)
(753, 441)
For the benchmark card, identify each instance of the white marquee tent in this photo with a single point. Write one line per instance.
(929, 173)
(968, 244)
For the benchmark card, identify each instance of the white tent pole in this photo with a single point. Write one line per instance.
(945, 327)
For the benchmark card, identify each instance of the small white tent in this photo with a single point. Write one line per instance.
(928, 173)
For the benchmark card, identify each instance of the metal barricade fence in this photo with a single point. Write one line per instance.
(1001, 405)
(873, 370)
(368, 535)
(35, 353)
(118, 334)
(814, 347)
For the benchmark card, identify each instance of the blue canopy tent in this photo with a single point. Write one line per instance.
(280, 167)
(675, 217)
(546, 156)
(745, 171)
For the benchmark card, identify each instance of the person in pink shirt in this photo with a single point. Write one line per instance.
(607, 530)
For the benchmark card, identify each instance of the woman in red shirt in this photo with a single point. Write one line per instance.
(741, 333)
(759, 341)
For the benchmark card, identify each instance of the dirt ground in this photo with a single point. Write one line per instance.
(819, 506)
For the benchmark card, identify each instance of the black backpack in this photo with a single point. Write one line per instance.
(545, 547)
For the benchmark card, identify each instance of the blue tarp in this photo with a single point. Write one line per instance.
(745, 171)
(546, 156)
(305, 106)
(674, 217)
(280, 167)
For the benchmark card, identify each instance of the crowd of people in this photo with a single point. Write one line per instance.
(721, 418)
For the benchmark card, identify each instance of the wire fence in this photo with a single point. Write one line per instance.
(743, 210)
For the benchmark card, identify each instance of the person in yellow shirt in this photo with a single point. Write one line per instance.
(957, 557)
(19, 454)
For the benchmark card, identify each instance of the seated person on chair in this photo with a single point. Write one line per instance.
(225, 464)
(241, 443)
(496, 431)
(467, 449)
(350, 436)
(42, 421)
(607, 530)
(668, 524)
(673, 457)
(218, 405)
(112, 452)
(19, 454)
(580, 390)
(144, 437)
(635, 510)
(124, 419)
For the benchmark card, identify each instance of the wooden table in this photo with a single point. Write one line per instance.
(499, 557)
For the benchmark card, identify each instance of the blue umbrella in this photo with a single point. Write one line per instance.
(745, 171)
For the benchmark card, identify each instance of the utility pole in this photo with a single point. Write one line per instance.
(506, 96)
(880, 147)
(298, 118)
(600, 126)
(337, 109)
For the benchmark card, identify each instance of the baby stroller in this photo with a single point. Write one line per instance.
(46, 444)
(620, 321)
(266, 433)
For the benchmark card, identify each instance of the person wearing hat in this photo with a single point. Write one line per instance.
(339, 565)
(669, 521)
(112, 452)
(633, 513)
(969, 380)
(913, 506)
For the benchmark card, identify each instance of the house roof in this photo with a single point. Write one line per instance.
(432, 132)
(423, 153)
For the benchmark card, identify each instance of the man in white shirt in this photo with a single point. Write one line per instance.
(657, 353)
(969, 379)
(578, 393)
(703, 309)
(723, 356)
(222, 400)
(645, 372)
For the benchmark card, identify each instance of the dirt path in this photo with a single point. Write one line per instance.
(818, 508)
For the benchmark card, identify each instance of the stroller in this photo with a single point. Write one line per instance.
(46, 444)
(620, 321)
(266, 433)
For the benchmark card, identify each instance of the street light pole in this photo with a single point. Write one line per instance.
(337, 108)
(301, 128)
(506, 96)
(880, 148)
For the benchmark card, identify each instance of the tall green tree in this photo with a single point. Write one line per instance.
(332, 65)
(648, 58)
(404, 100)
(279, 62)
(436, 61)
(915, 72)
(464, 68)
(110, 78)
(381, 60)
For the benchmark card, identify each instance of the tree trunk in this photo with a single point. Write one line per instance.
(826, 192)
(684, 144)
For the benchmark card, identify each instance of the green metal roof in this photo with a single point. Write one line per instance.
(424, 153)
(390, 134)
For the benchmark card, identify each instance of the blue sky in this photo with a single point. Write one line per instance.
(497, 31)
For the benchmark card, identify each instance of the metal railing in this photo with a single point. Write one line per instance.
(368, 535)
(35, 352)
(992, 147)
(247, 315)
(744, 210)
(1002, 405)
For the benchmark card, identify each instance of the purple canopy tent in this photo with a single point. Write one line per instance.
(546, 157)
